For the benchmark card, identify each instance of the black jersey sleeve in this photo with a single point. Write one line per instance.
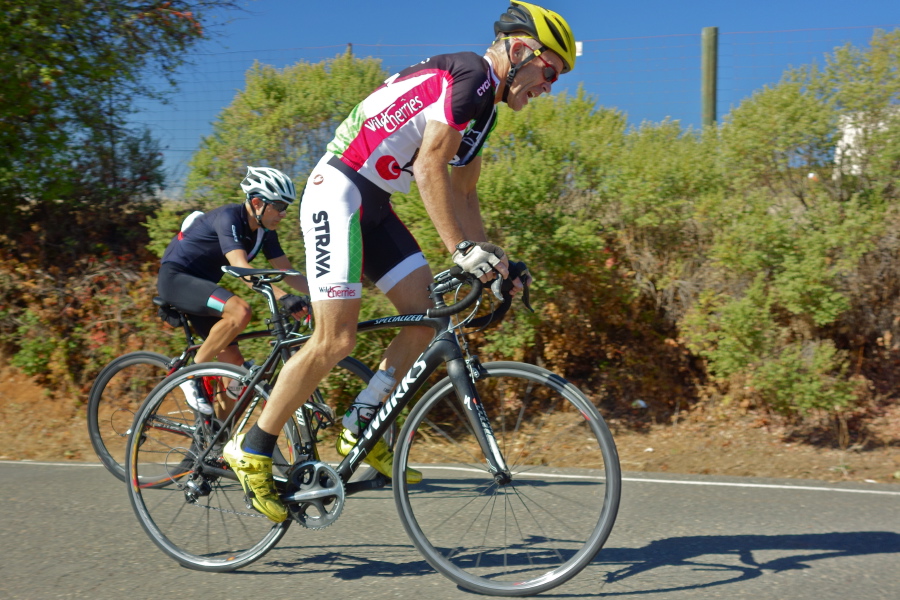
(272, 246)
(230, 230)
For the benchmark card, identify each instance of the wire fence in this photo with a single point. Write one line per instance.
(647, 78)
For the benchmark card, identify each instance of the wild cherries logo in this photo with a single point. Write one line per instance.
(388, 167)
(337, 291)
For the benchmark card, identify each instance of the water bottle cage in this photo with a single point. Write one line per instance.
(362, 421)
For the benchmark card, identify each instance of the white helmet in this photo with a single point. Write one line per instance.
(268, 184)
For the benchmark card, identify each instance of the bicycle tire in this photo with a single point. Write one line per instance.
(202, 544)
(114, 399)
(533, 533)
(215, 532)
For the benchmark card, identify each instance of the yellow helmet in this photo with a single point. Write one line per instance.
(550, 29)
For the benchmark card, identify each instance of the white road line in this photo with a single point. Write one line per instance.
(681, 482)
(763, 486)
(769, 486)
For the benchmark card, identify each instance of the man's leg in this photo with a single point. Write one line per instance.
(250, 456)
(233, 356)
(410, 295)
(333, 339)
(235, 318)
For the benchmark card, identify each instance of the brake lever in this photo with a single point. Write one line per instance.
(497, 288)
(525, 300)
(525, 278)
(502, 287)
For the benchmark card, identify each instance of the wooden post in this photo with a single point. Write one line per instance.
(709, 62)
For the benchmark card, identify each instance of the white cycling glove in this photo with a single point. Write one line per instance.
(478, 258)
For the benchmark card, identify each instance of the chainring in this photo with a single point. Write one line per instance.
(314, 494)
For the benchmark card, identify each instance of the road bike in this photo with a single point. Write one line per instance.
(521, 476)
(124, 383)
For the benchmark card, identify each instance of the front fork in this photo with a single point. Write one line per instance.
(463, 374)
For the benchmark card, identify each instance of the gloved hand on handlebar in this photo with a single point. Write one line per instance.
(296, 305)
(478, 258)
(519, 279)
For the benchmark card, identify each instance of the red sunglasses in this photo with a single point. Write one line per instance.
(549, 71)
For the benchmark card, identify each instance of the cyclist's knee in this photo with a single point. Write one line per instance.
(333, 345)
(340, 345)
(237, 312)
(417, 336)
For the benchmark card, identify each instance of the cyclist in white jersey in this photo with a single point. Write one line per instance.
(430, 115)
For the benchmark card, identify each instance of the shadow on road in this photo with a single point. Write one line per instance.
(730, 559)
(349, 562)
(680, 563)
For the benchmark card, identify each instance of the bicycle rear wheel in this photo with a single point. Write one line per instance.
(114, 399)
(534, 532)
(198, 516)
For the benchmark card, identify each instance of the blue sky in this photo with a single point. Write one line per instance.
(299, 22)
(657, 39)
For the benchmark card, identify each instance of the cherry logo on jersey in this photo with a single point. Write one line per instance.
(318, 179)
(388, 167)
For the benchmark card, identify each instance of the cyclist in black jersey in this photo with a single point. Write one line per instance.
(427, 123)
(229, 235)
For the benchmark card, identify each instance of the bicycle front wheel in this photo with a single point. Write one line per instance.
(194, 513)
(531, 533)
(114, 399)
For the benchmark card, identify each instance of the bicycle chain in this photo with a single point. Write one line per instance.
(235, 512)
(225, 510)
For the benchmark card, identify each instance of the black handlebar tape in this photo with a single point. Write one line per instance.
(460, 306)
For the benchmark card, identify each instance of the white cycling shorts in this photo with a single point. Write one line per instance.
(350, 230)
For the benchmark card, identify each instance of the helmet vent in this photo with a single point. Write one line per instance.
(556, 34)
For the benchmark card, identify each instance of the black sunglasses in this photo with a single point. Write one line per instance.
(278, 205)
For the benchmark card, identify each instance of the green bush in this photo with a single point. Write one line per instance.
(664, 258)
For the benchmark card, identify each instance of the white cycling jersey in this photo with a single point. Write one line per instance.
(348, 225)
(381, 137)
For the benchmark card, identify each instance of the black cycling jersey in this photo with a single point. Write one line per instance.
(201, 249)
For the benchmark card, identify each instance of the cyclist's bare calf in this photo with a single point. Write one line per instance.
(409, 296)
(333, 338)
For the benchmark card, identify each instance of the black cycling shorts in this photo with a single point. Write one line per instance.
(201, 299)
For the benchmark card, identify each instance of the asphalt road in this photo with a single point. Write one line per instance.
(68, 531)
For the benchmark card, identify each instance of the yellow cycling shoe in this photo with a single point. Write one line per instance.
(255, 474)
(380, 457)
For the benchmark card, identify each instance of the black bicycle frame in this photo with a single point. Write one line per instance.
(443, 349)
